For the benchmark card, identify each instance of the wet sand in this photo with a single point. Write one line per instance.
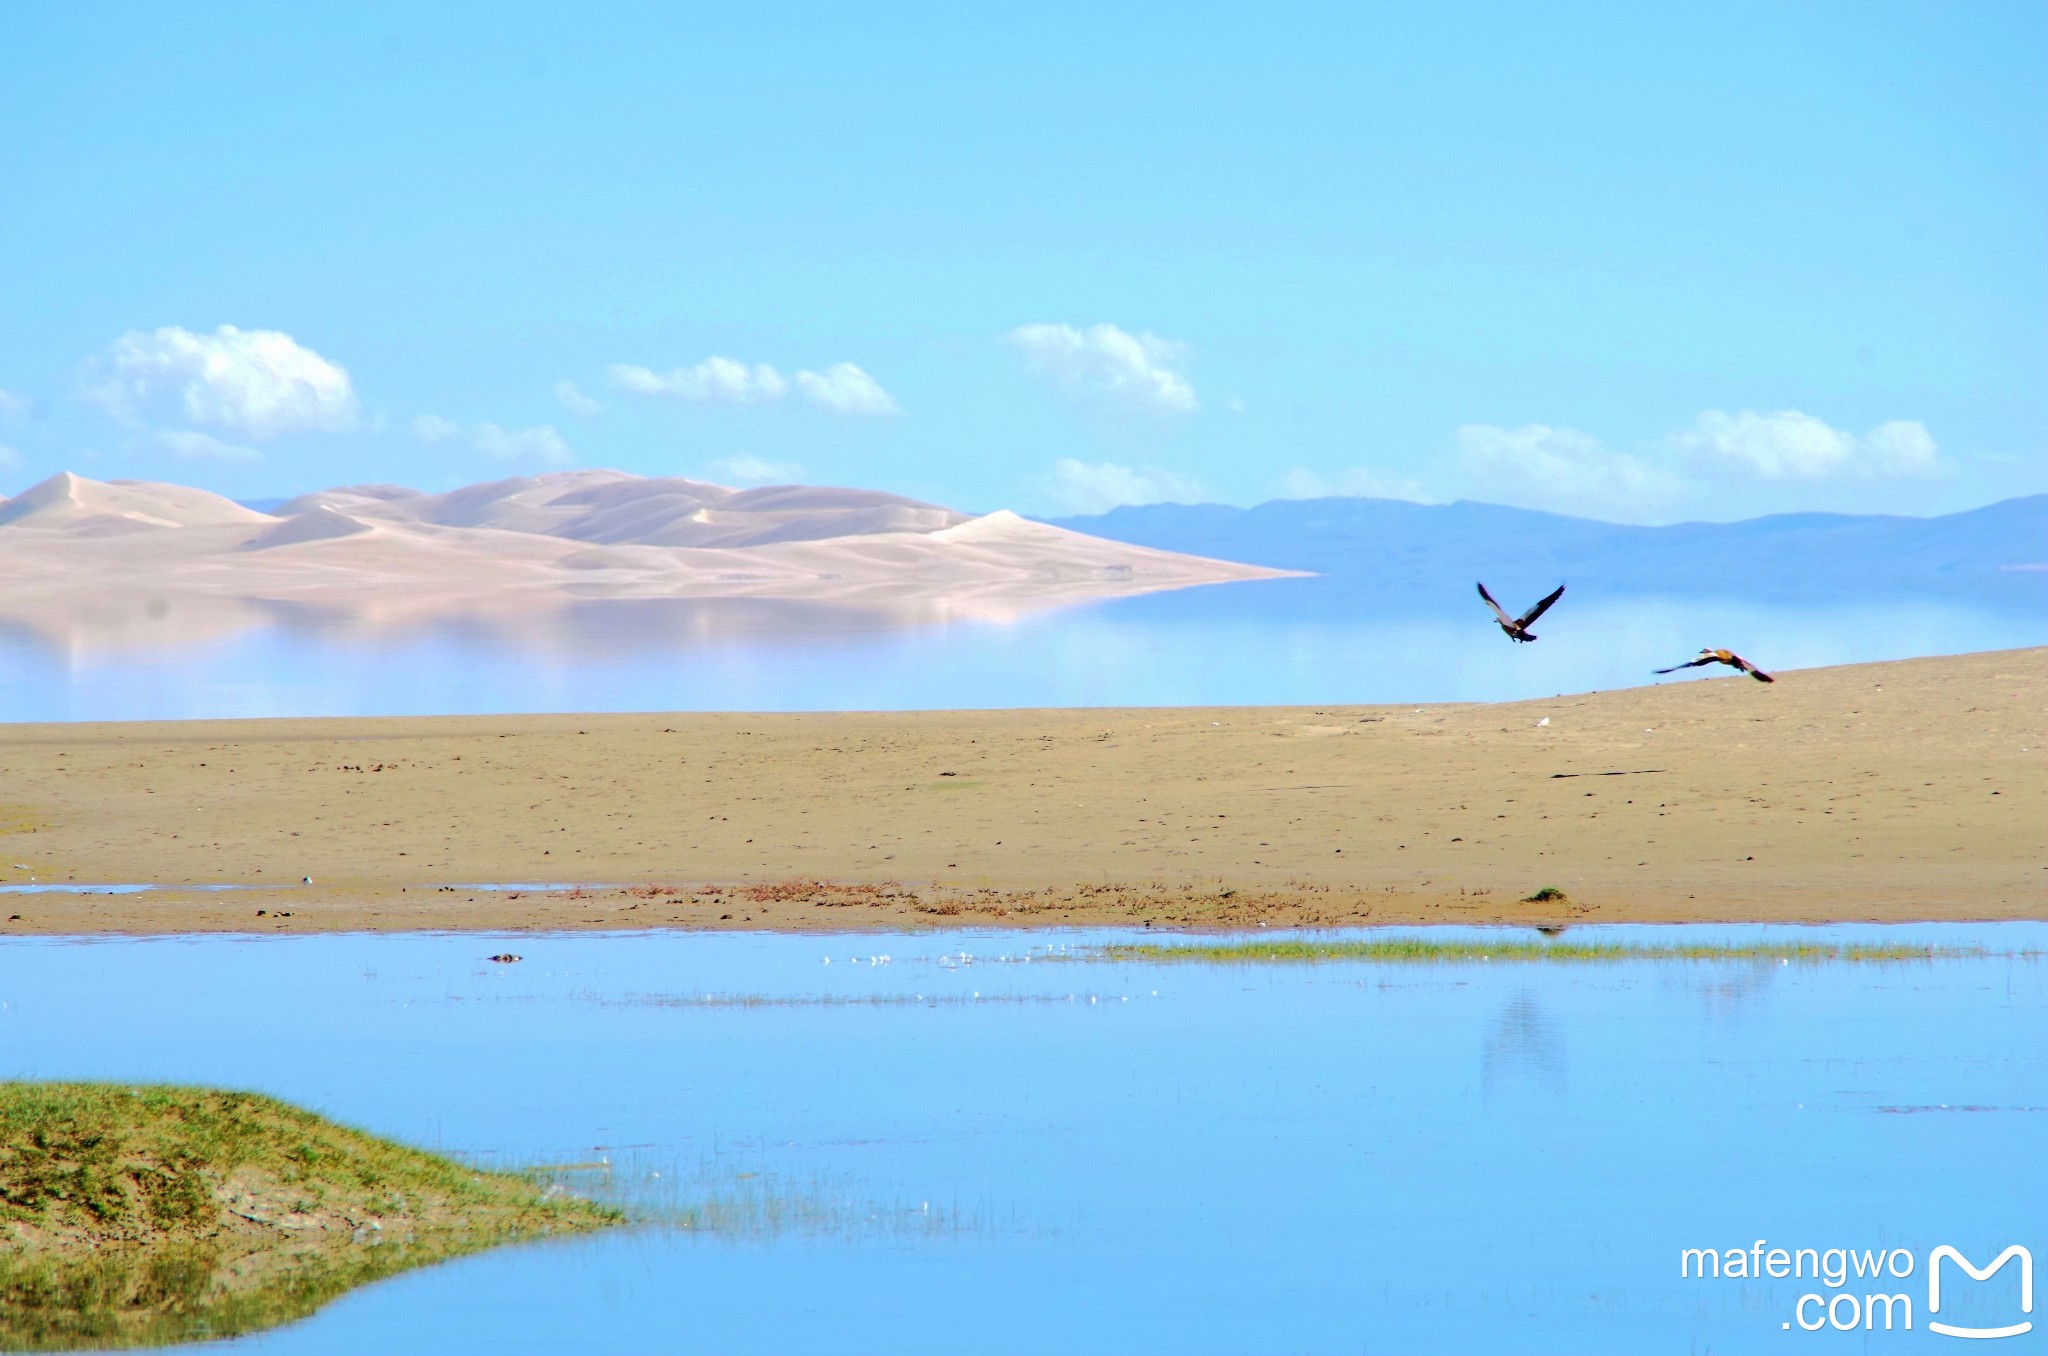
(1908, 790)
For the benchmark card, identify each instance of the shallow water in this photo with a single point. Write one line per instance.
(955, 1148)
(36, 887)
(1296, 641)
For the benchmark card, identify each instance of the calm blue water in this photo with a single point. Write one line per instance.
(1112, 1157)
(1305, 641)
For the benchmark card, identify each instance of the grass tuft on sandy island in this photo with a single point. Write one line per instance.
(145, 1215)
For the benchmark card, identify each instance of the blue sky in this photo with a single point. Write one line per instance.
(1638, 262)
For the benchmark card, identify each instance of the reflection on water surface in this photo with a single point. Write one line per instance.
(1293, 641)
(958, 1151)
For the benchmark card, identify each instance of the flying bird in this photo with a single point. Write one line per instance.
(1518, 627)
(1728, 657)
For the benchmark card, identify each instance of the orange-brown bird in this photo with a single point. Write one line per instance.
(1728, 657)
(1518, 627)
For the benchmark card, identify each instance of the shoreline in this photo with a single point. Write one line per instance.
(612, 908)
(1912, 790)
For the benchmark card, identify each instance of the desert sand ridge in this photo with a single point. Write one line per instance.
(72, 546)
(315, 524)
(72, 504)
(614, 508)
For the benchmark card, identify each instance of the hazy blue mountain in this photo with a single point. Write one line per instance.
(1999, 551)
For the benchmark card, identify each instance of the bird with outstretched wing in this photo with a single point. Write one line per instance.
(1517, 628)
(1728, 657)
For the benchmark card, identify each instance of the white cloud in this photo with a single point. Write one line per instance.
(1775, 446)
(1104, 363)
(542, 444)
(1723, 462)
(751, 470)
(720, 380)
(9, 458)
(841, 388)
(256, 384)
(575, 402)
(1789, 445)
(1358, 482)
(844, 389)
(1097, 487)
(432, 428)
(195, 446)
(15, 405)
(1562, 470)
(1901, 447)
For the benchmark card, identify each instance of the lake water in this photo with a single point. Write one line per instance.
(961, 1150)
(1305, 641)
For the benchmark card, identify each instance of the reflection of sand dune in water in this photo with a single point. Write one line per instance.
(126, 618)
(629, 625)
(141, 619)
(88, 565)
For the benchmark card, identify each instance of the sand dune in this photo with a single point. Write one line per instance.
(72, 547)
(315, 524)
(1881, 791)
(72, 505)
(614, 508)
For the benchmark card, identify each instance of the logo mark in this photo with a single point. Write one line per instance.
(1976, 1274)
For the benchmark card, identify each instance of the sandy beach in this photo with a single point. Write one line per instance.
(1909, 790)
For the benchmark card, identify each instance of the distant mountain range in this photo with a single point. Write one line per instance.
(2000, 550)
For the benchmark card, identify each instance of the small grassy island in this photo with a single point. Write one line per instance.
(141, 1216)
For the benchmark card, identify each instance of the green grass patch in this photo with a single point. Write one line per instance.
(1419, 951)
(142, 1216)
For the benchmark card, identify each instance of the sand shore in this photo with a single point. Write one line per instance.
(1910, 790)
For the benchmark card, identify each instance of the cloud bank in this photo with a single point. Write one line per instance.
(841, 388)
(575, 402)
(1560, 469)
(250, 384)
(1718, 458)
(542, 444)
(1789, 445)
(845, 389)
(1104, 364)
